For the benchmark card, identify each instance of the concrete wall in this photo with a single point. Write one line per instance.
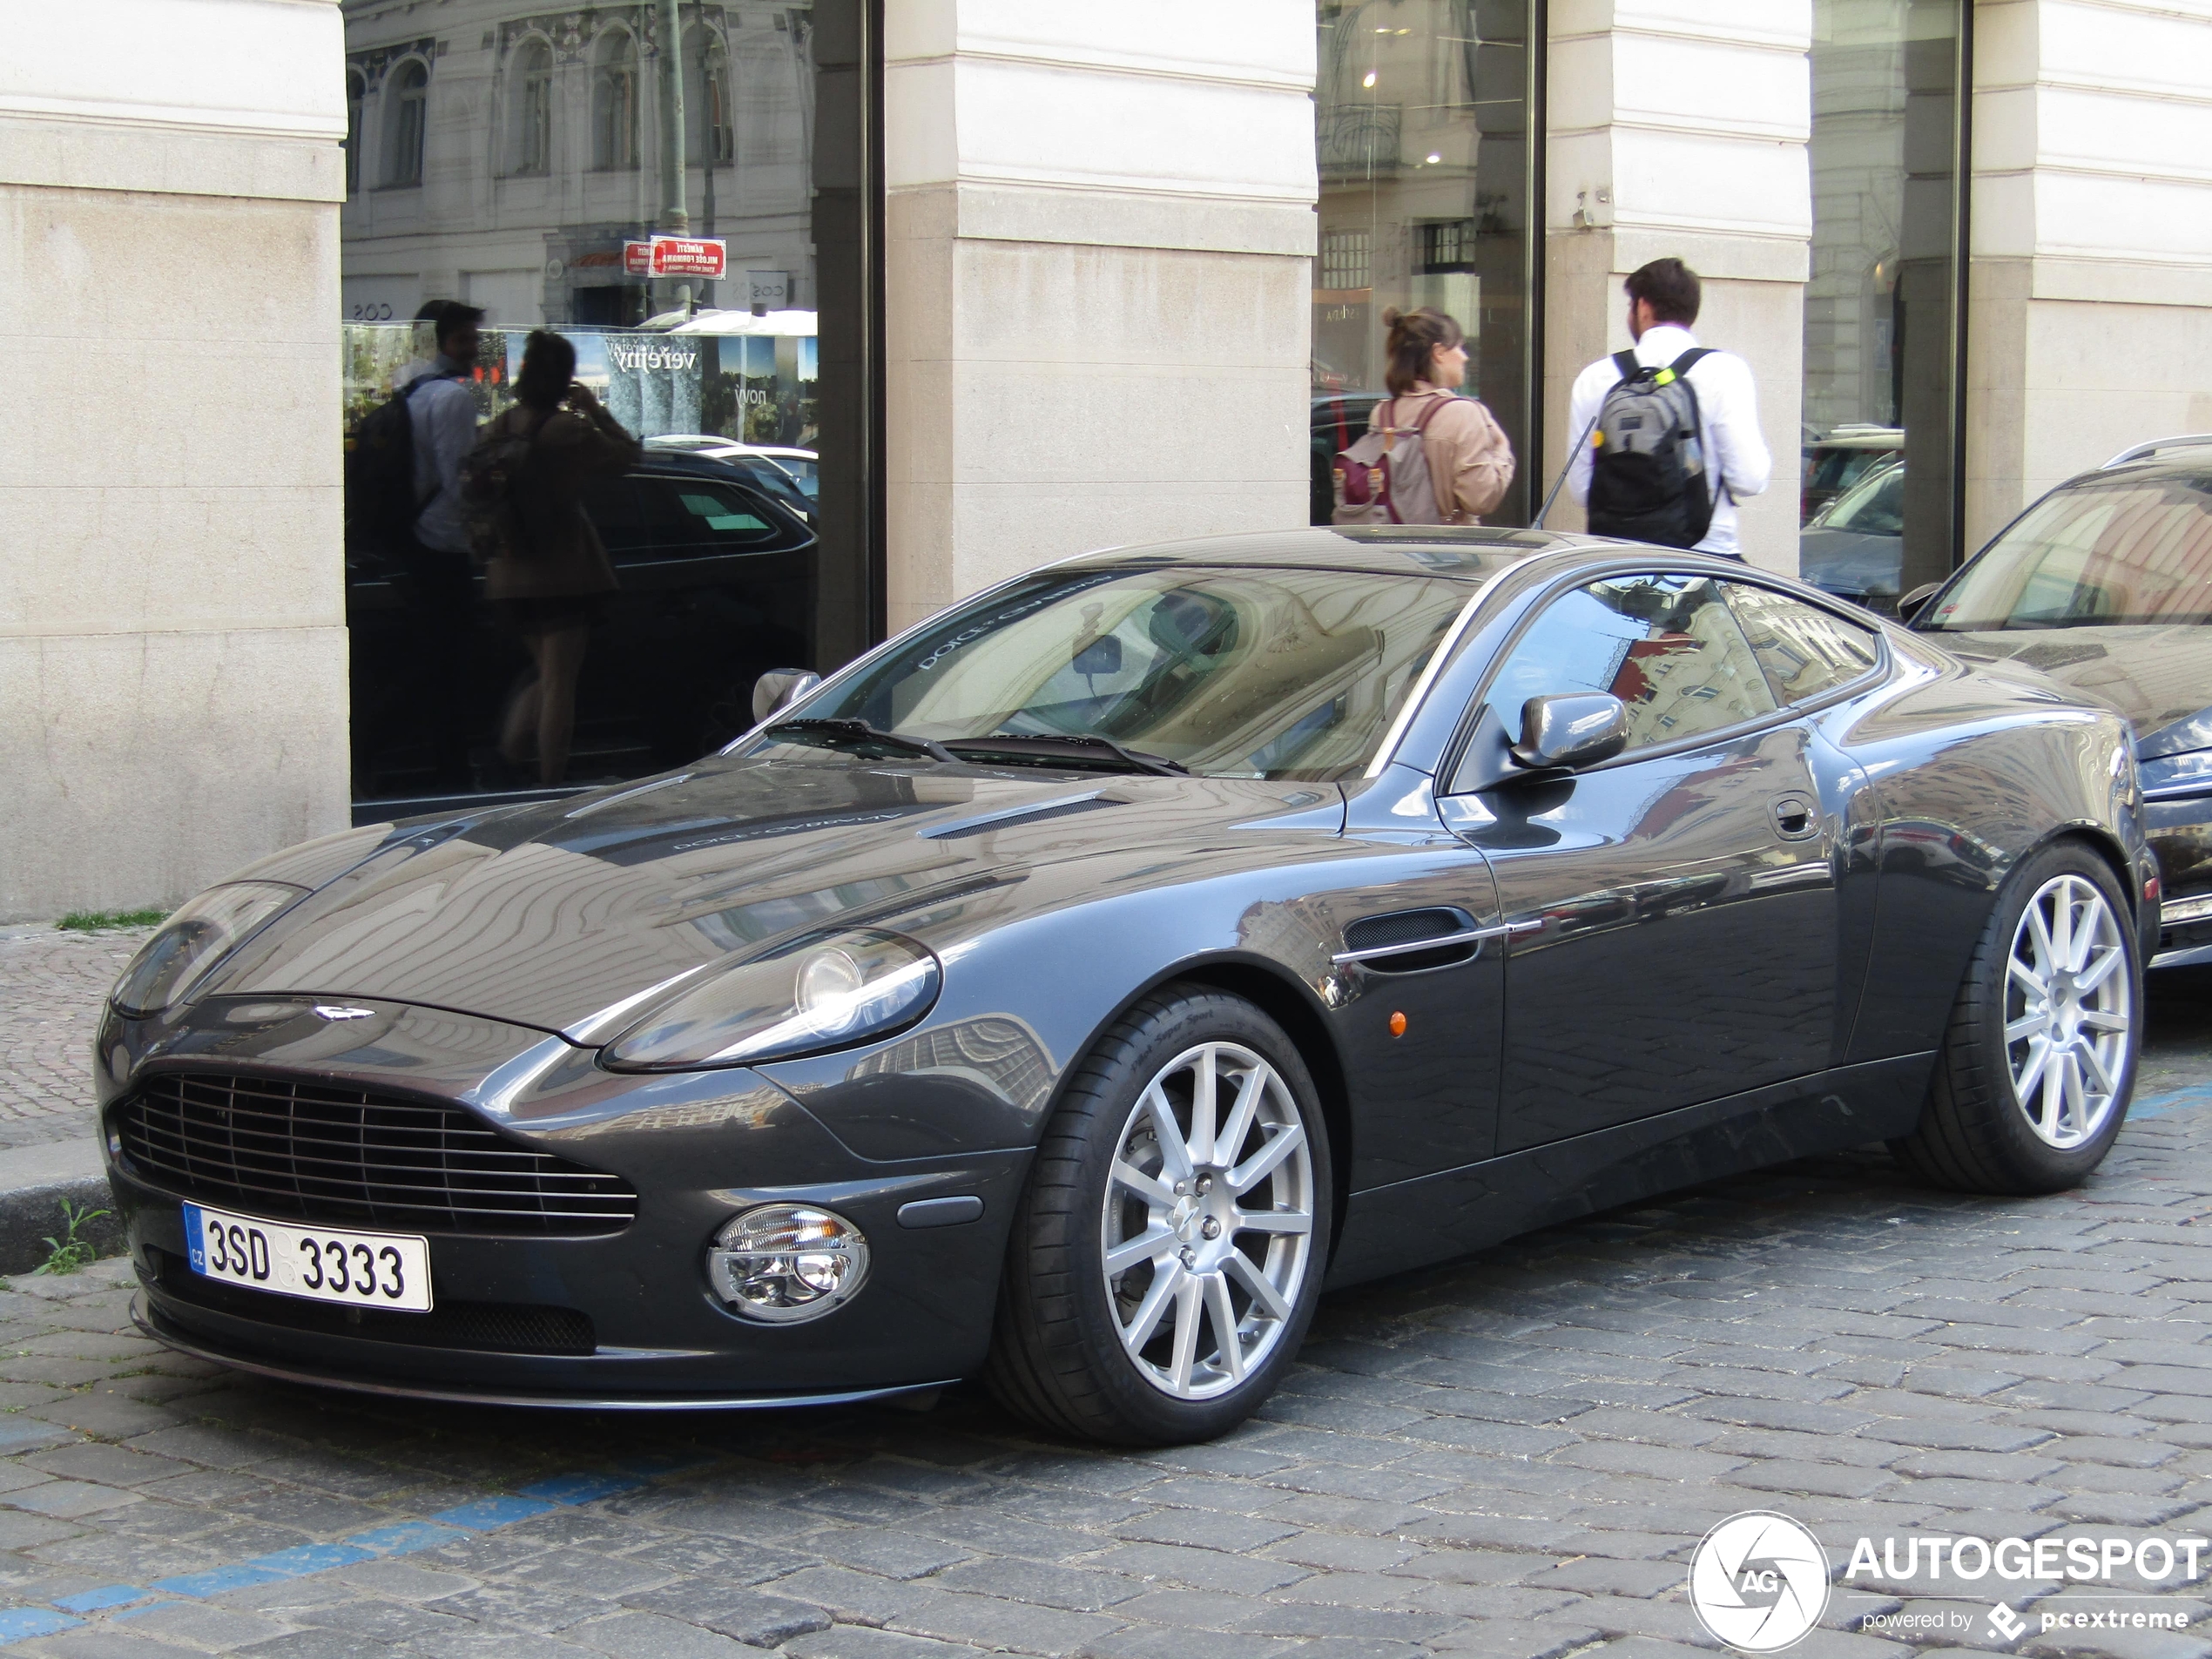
(2091, 311)
(172, 646)
(1099, 234)
(1679, 127)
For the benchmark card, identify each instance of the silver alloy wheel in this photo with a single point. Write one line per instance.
(2068, 999)
(1208, 1220)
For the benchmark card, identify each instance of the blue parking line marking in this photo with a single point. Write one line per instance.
(216, 1579)
(2179, 1100)
(479, 1516)
(302, 1559)
(407, 1536)
(485, 1514)
(582, 1488)
(99, 1600)
(21, 1623)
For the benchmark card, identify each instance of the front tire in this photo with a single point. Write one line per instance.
(2039, 1062)
(1167, 1254)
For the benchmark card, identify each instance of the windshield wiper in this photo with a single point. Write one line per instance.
(858, 737)
(1081, 747)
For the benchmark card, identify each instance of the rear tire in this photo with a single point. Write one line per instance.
(1167, 1253)
(2039, 1060)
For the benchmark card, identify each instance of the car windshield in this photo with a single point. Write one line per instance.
(1228, 672)
(803, 467)
(1873, 506)
(2129, 550)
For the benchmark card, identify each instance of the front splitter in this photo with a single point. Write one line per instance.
(150, 1320)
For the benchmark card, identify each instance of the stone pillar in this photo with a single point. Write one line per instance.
(2090, 309)
(1098, 242)
(172, 638)
(1679, 127)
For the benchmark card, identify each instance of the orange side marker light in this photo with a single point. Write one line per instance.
(1397, 1025)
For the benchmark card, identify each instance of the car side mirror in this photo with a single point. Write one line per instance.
(1562, 734)
(779, 688)
(1909, 605)
(1102, 656)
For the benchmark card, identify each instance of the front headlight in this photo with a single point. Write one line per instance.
(171, 965)
(2176, 775)
(821, 993)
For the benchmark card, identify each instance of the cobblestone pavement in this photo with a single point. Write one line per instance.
(1512, 1456)
(51, 986)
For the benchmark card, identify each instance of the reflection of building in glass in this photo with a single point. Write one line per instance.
(1880, 342)
(505, 159)
(1421, 141)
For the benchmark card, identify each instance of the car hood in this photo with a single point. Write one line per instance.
(556, 916)
(2159, 676)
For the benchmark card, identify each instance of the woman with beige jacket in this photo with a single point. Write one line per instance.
(1470, 463)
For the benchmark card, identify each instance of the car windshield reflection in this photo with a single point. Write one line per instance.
(1237, 673)
(2137, 551)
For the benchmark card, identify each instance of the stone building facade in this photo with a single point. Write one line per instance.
(1081, 277)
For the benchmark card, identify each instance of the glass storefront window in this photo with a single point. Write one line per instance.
(1879, 499)
(1421, 125)
(506, 158)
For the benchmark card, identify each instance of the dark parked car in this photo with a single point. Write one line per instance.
(1854, 547)
(2105, 585)
(1337, 420)
(717, 584)
(1838, 459)
(1064, 992)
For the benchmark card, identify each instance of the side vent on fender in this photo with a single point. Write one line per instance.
(1408, 942)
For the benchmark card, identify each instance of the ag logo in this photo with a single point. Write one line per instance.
(1759, 1581)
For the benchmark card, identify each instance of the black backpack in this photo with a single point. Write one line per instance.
(380, 501)
(1648, 480)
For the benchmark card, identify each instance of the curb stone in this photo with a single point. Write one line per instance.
(34, 1182)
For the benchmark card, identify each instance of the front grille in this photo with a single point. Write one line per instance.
(483, 1327)
(312, 1151)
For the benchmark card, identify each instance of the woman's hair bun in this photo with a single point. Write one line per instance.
(1391, 315)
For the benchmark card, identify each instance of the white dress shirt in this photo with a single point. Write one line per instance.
(1728, 416)
(444, 418)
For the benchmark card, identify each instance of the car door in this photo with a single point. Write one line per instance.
(1674, 910)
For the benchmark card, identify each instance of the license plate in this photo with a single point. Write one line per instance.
(322, 1265)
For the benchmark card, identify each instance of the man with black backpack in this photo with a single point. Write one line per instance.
(1669, 437)
(403, 496)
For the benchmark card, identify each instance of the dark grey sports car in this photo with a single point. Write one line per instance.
(1067, 990)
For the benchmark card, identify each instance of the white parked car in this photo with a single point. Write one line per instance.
(774, 464)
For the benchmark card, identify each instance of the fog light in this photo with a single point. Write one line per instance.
(785, 1262)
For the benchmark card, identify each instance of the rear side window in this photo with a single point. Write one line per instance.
(699, 518)
(1804, 651)
(1667, 646)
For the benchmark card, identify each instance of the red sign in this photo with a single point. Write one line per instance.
(677, 256)
(694, 256)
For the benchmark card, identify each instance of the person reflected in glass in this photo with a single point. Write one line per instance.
(551, 585)
(1470, 461)
(442, 406)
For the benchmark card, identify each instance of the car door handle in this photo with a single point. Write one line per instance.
(1796, 818)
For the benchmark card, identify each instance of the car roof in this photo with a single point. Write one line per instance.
(2184, 466)
(1470, 553)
